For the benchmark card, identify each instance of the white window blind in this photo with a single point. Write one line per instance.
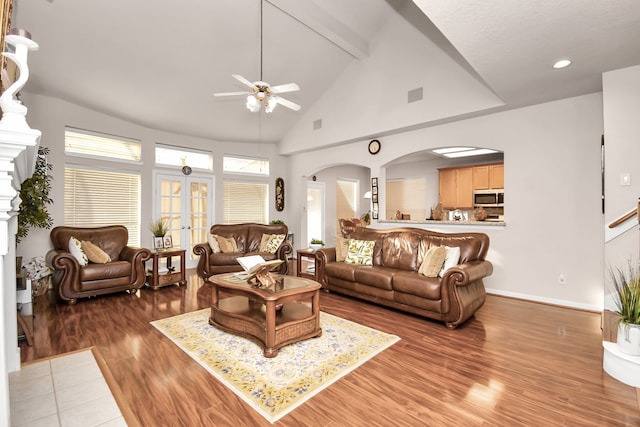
(93, 144)
(95, 198)
(245, 165)
(245, 202)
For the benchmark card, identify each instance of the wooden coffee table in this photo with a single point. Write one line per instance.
(244, 309)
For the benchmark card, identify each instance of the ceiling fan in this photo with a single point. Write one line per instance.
(263, 94)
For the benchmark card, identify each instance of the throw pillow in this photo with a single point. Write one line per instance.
(227, 244)
(264, 242)
(360, 252)
(451, 260)
(213, 243)
(94, 253)
(75, 247)
(274, 242)
(433, 261)
(342, 248)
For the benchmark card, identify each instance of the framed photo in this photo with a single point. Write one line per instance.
(157, 243)
(167, 242)
(374, 182)
(374, 198)
(374, 213)
(374, 190)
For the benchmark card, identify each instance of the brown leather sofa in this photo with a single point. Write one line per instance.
(393, 279)
(125, 271)
(247, 237)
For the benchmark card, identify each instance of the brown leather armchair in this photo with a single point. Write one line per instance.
(125, 271)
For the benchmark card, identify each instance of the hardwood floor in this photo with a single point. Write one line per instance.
(515, 364)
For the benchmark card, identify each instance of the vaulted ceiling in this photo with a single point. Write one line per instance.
(158, 63)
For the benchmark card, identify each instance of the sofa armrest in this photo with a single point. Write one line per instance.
(283, 253)
(203, 250)
(66, 270)
(463, 291)
(323, 257)
(137, 257)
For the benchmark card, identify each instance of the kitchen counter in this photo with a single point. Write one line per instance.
(409, 222)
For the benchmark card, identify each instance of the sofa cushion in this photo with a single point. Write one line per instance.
(433, 261)
(98, 272)
(94, 253)
(213, 243)
(75, 248)
(274, 243)
(227, 244)
(411, 282)
(400, 250)
(342, 248)
(341, 270)
(225, 258)
(451, 260)
(264, 241)
(360, 252)
(379, 277)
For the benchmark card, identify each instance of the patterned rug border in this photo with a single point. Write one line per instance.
(324, 317)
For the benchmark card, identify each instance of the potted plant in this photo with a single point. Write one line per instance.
(366, 217)
(34, 196)
(316, 244)
(626, 295)
(160, 227)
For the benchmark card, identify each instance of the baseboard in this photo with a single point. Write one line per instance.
(550, 301)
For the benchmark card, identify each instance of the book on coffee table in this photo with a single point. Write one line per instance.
(254, 264)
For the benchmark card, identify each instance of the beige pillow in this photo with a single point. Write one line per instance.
(342, 248)
(264, 242)
(213, 243)
(433, 260)
(227, 244)
(94, 253)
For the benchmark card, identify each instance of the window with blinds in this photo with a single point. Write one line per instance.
(85, 143)
(245, 202)
(94, 198)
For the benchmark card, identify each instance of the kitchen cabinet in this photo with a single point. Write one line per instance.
(488, 176)
(456, 185)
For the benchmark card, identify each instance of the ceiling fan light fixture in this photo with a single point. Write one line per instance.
(252, 104)
(270, 104)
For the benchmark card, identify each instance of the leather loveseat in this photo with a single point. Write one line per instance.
(394, 281)
(247, 237)
(123, 271)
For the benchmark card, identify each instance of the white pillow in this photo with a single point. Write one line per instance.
(452, 259)
(75, 247)
(213, 243)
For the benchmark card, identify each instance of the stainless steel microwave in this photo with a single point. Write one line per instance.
(488, 198)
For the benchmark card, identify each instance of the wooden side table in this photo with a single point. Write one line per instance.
(306, 263)
(156, 279)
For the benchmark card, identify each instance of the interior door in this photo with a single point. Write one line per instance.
(187, 202)
(315, 212)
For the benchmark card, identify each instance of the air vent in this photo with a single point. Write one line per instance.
(414, 95)
(317, 124)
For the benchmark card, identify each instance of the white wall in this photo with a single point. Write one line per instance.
(51, 115)
(621, 104)
(552, 178)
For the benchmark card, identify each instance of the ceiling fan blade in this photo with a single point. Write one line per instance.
(289, 87)
(287, 103)
(231, 93)
(244, 81)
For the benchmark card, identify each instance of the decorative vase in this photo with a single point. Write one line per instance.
(315, 246)
(629, 339)
(481, 214)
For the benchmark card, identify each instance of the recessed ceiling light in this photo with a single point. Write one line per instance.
(451, 150)
(472, 152)
(563, 63)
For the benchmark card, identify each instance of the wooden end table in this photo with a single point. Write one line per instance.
(156, 280)
(306, 263)
(273, 317)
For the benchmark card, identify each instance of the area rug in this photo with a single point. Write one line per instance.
(274, 387)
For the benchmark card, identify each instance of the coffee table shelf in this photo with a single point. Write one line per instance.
(240, 308)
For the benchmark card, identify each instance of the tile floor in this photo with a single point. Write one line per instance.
(65, 391)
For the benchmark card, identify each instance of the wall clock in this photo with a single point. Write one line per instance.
(186, 170)
(374, 146)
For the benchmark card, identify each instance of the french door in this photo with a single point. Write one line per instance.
(187, 203)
